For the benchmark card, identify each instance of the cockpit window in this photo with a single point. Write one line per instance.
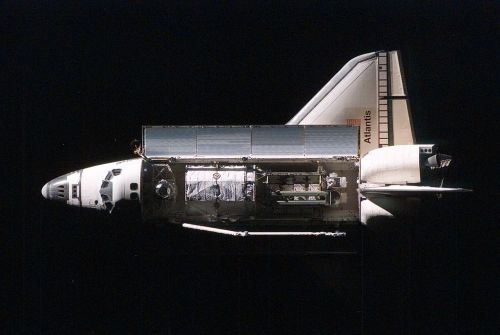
(109, 176)
(106, 190)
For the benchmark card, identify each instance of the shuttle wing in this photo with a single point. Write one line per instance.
(369, 92)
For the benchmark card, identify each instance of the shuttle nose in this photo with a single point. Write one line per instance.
(57, 189)
(44, 191)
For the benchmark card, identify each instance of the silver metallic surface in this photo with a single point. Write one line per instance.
(250, 141)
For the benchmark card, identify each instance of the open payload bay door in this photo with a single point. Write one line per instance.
(255, 143)
(370, 92)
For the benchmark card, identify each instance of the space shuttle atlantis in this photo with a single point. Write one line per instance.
(349, 155)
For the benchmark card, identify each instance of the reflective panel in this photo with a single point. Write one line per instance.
(169, 141)
(225, 141)
(278, 141)
(331, 141)
(250, 141)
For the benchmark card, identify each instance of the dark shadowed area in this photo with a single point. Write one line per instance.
(86, 76)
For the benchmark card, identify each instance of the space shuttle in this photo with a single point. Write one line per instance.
(348, 156)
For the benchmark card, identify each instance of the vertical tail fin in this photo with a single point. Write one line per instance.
(369, 91)
(402, 127)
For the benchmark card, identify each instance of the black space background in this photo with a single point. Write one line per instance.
(79, 81)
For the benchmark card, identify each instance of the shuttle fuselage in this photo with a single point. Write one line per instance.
(352, 144)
